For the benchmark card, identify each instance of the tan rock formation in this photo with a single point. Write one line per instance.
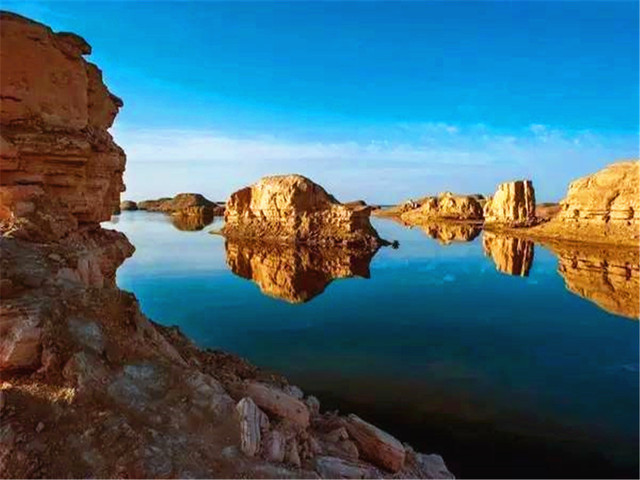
(127, 205)
(444, 206)
(376, 445)
(90, 387)
(511, 255)
(295, 273)
(293, 209)
(513, 205)
(608, 277)
(59, 167)
(603, 207)
(180, 203)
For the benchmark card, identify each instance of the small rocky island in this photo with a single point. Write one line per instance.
(90, 386)
(293, 209)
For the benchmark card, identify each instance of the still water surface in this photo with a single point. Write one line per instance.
(504, 375)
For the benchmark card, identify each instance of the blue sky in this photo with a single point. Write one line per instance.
(381, 101)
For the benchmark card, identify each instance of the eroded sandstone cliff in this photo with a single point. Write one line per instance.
(603, 207)
(89, 386)
(60, 168)
(293, 209)
(512, 205)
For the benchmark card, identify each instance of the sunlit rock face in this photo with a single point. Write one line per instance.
(447, 232)
(295, 273)
(602, 207)
(59, 167)
(445, 206)
(513, 205)
(293, 209)
(609, 277)
(89, 386)
(513, 256)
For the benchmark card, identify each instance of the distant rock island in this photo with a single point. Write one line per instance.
(600, 208)
(294, 209)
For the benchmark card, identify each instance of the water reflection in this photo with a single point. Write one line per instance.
(447, 233)
(294, 273)
(513, 256)
(608, 277)
(193, 220)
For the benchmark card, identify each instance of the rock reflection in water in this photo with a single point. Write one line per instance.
(192, 221)
(609, 277)
(513, 256)
(294, 273)
(447, 233)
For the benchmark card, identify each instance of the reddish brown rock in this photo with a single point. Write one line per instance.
(513, 205)
(375, 445)
(293, 209)
(59, 166)
(182, 203)
(90, 386)
(277, 402)
(127, 205)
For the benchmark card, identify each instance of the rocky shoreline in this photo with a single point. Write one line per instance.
(90, 386)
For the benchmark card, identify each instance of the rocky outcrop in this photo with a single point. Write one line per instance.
(608, 277)
(60, 169)
(128, 205)
(513, 205)
(295, 273)
(445, 206)
(511, 255)
(293, 209)
(90, 386)
(603, 207)
(183, 203)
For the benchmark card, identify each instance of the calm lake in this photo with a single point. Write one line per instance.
(503, 375)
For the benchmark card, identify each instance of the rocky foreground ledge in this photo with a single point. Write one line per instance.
(89, 387)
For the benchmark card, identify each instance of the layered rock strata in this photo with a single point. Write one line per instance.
(513, 205)
(295, 273)
(59, 167)
(92, 388)
(293, 209)
(603, 207)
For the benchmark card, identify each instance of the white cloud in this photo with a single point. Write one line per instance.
(388, 164)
